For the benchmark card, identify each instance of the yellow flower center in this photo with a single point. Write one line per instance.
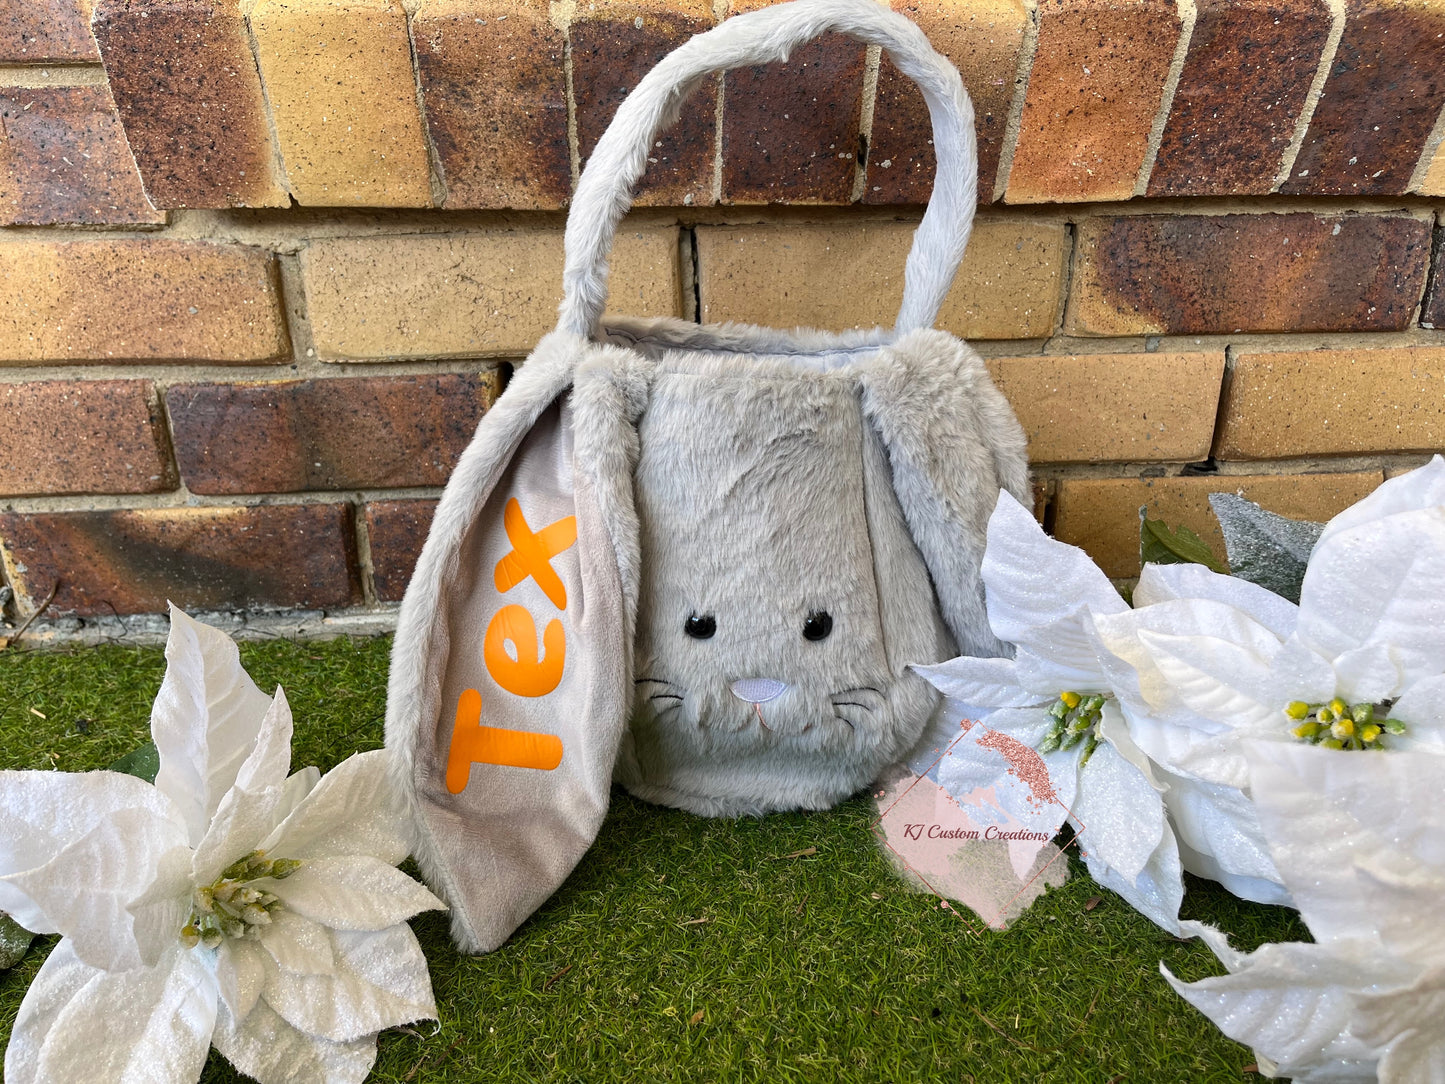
(231, 905)
(1338, 725)
(1076, 719)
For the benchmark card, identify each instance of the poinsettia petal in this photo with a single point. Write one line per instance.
(1422, 710)
(355, 809)
(240, 975)
(1219, 825)
(271, 1051)
(248, 811)
(42, 813)
(1416, 489)
(1013, 774)
(1292, 1003)
(1299, 672)
(205, 720)
(1379, 584)
(984, 683)
(59, 979)
(142, 1025)
(354, 892)
(380, 980)
(1224, 681)
(117, 890)
(1113, 729)
(1406, 900)
(1038, 588)
(1120, 814)
(1060, 665)
(297, 945)
(1209, 756)
(1409, 1021)
(1166, 583)
(1156, 892)
(298, 785)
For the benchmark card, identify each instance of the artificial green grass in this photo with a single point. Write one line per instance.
(819, 967)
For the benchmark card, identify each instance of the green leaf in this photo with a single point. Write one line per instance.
(143, 763)
(1265, 548)
(14, 941)
(1158, 545)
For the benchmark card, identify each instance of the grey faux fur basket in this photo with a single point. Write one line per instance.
(698, 560)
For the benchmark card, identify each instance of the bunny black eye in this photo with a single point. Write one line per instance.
(817, 625)
(700, 626)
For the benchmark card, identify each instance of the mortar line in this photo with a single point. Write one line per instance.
(561, 13)
(872, 65)
(1312, 99)
(61, 74)
(436, 174)
(1188, 15)
(1022, 73)
(1433, 144)
(283, 177)
(365, 566)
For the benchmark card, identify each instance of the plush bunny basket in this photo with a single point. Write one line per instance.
(698, 560)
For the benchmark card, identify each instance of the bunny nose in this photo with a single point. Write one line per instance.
(757, 690)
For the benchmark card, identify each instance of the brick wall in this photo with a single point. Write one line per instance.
(265, 263)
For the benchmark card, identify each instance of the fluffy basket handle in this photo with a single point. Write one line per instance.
(604, 193)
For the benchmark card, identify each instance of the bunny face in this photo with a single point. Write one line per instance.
(771, 646)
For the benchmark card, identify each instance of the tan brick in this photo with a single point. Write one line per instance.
(1098, 408)
(346, 433)
(467, 294)
(32, 31)
(1334, 402)
(982, 38)
(135, 561)
(1096, 83)
(838, 277)
(396, 530)
(1433, 183)
(138, 300)
(339, 80)
(189, 94)
(1222, 274)
(65, 160)
(1101, 515)
(81, 436)
(494, 78)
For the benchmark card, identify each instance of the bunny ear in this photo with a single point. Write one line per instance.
(510, 680)
(953, 442)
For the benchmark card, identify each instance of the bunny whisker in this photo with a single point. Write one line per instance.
(665, 696)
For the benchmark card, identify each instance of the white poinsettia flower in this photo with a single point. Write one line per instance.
(228, 904)
(1055, 697)
(1359, 663)
(1360, 842)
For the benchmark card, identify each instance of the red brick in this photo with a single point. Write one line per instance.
(614, 44)
(135, 561)
(341, 433)
(66, 160)
(1096, 84)
(138, 300)
(982, 38)
(1334, 402)
(32, 31)
(1245, 79)
(790, 131)
(189, 93)
(494, 83)
(1101, 515)
(1220, 274)
(397, 530)
(1385, 89)
(81, 436)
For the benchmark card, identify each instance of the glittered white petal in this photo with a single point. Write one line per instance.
(298, 785)
(298, 945)
(1301, 673)
(1422, 710)
(354, 892)
(1210, 756)
(1379, 584)
(149, 1024)
(1420, 488)
(355, 809)
(1291, 1003)
(271, 1051)
(205, 720)
(1225, 682)
(1158, 889)
(117, 889)
(1038, 589)
(1219, 825)
(1119, 811)
(380, 980)
(1405, 899)
(248, 811)
(985, 683)
(1164, 583)
(240, 974)
(989, 763)
(1113, 729)
(59, 979)
(1409, 1021)
(1061, 665)
(42, 813)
